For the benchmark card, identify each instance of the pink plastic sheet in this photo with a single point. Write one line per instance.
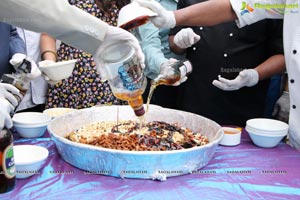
(240, 172)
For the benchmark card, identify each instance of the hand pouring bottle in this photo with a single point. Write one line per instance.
(175, 72)
(170, 75)
(124, 74)
(19, 79)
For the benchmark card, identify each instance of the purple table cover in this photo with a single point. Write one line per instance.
(240, 172)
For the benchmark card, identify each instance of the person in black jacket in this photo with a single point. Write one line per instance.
(249, 55)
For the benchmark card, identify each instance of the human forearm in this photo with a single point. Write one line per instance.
(48, 47)
(152, 46)
(174, 47)
(154, 58)
(273, 65)
(205, 14)
(250, 77)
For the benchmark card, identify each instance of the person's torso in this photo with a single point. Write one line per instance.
(32, 43)
(225, 50)
(84, 87)
(292, 55)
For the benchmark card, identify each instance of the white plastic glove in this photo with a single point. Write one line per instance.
(7, 91)
(282, 108)
(18, 59)
(164, 18)
(185, 38)
(166, 70)
(118, 34)
(247, 77)
(8, 102)
(5, 109)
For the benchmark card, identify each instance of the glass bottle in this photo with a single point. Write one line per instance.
(124, 74)
(171, 75)
(19, 82)
(19, 79)
(7, 167)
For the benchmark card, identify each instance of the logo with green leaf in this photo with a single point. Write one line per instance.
(246, 8)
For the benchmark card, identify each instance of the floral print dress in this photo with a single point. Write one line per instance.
(84, 88)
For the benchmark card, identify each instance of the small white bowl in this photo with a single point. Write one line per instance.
(267, 125)
(265, 140)
(30, 118)
(258, 131)
(231, 137)
(29, 159)
(56, 112)
(58, 70)
(133, 15)
(31, 124)
(31, 131)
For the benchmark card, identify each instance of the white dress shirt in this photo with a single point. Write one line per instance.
(38, 87)
(251, 11)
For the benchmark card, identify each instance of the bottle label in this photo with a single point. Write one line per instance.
(8, 162)
(183, 71)
(186, 68)
(131, 75)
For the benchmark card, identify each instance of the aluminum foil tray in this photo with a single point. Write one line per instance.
(157, 165)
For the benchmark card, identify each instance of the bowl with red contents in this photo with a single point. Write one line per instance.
(133, 15)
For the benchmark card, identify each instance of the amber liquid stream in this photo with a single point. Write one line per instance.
(135, 100)
(154, 84)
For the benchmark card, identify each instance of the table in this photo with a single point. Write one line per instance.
(241, 172)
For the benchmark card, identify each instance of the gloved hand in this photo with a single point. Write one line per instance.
(7, 92)
(247, 77)
(118, 34)
(164, 18)
(17, 61)
(166, 70)
(282, 108)
(186, 38)
(8, 102)
(5, 109)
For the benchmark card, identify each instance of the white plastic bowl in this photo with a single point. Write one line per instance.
(59, 70)
(29, 159)
(31, 124)
(267, 125)
(265, 140)
(30, 118)
(56, 112)
(258, 131)
(231, 137)
(31, 131)
(133, 15)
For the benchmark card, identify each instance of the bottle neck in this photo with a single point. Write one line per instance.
(138, 106)
(185, 68)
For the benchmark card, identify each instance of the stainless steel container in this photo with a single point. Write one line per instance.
(134, 164)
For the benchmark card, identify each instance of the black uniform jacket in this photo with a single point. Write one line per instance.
(226, 50)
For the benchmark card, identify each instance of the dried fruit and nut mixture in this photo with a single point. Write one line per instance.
(128, 135)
